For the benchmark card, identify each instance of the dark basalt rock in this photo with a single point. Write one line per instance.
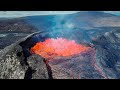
(38, 67)
(82, 66)
(107, 53)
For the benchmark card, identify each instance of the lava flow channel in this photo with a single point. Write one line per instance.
(58, 47)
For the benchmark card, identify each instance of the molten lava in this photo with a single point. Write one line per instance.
(58, 47)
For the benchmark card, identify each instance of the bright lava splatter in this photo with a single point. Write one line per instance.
(58, 47)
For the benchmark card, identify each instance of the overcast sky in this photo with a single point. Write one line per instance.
(31, 13)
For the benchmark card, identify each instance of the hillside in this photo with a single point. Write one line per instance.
(85, 19)
(17, 25)
(107, 53)
(11, 30)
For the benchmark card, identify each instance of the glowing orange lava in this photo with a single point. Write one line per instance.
(58, 47)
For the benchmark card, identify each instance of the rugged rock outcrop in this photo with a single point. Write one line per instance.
(38, 66)
(10, 67)
(13, 66)
(108, 53)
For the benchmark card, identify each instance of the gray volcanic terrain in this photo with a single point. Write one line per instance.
(100, 62)
(12, 30)
(107, 53)
(98, 30)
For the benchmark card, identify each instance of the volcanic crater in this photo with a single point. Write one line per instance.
(64, 57)
(85, 45)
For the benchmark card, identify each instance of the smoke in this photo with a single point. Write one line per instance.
(61, 27)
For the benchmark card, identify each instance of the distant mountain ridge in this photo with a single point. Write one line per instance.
(85, 19)
(87, 25)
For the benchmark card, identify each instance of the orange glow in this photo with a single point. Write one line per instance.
(58, 47)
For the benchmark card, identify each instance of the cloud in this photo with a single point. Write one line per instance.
(31, 13)
(11, 14)
(113, 12)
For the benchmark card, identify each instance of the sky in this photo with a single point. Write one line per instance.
(31, 13)
(11, 14)
(113, 12)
